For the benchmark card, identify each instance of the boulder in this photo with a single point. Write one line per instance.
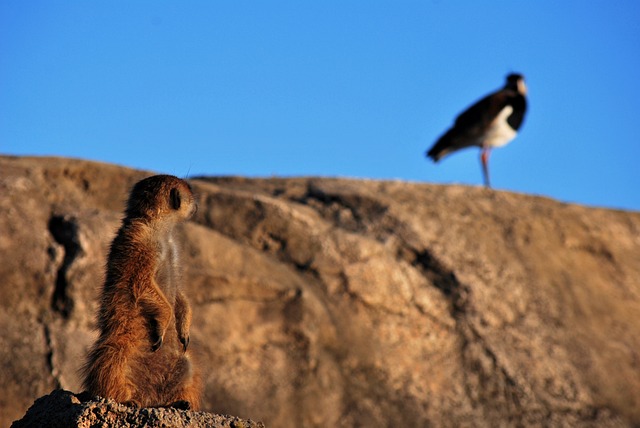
(338, 302)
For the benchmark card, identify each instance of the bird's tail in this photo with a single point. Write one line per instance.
(441, 148)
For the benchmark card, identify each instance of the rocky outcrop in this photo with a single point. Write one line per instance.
(63, 409)
(335, 302)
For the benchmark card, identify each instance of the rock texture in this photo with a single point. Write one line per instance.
(63, 409)
(334, 302)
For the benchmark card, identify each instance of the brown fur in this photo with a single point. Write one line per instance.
(141, 356)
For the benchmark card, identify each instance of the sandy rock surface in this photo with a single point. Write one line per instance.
(334, 302)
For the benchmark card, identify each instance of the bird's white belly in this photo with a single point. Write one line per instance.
(499, 133)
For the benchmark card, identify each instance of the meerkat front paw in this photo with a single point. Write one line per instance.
(157, 343)
(185, 342)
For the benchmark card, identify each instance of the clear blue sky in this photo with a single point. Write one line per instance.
(328, 88)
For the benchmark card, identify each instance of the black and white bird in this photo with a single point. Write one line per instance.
(491, 122)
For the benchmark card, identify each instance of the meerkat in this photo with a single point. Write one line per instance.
(141, 356)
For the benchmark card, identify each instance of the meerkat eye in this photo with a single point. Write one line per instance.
(174, 198)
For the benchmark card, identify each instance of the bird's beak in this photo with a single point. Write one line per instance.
(522, 88)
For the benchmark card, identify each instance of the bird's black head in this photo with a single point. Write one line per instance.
(515, 81)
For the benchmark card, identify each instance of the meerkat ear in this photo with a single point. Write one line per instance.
(174, 198)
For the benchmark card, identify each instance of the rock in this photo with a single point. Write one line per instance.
(335, 302)
(63, 409)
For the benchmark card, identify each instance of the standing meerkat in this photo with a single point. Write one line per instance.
(141, 356)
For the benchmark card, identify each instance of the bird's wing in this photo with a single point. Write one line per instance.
(484, 110)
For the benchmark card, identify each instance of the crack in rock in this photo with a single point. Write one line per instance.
(443, 279)
(485, 377)
(350, 211)
(49, 355)
(64, 230)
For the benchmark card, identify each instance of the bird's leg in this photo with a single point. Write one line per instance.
(484, 158)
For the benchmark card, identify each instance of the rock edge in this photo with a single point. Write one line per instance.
(63, 408)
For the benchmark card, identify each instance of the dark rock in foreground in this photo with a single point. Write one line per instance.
(63, 409)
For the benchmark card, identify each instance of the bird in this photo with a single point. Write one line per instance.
(493, 121)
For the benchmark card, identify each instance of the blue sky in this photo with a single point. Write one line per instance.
(327, 88)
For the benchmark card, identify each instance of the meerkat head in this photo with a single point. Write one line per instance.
(161, 197)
